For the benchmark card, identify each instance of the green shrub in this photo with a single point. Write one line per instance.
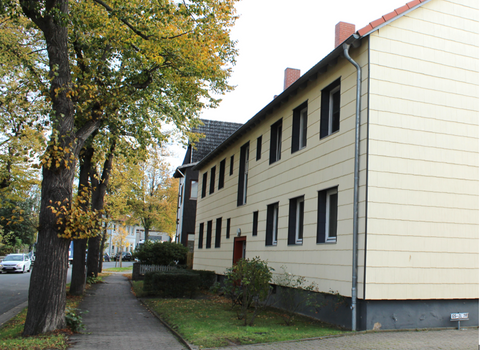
(158, 253)
(73, 318)
(207, 278)
(294, 294)
(248, 285)
(172, 284)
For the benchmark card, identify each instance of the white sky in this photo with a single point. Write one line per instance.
(275, 34)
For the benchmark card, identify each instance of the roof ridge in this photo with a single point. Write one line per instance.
(391, 16)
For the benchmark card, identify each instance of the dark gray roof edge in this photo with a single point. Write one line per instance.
(179, 170)
(291, 90)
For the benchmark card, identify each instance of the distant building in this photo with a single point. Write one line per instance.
(215, 132)
(132, 238)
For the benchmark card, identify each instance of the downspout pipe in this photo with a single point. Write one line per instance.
(180, 214)
(355, 186)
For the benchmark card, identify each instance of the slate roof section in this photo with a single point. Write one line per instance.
(215, 133)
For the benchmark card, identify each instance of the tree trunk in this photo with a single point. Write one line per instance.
(77, 285)
(47, 291)
(99, 188)
(102, 247)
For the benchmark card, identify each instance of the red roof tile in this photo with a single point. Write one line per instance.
(413, 3)
(377, 22)
(402, 9)
(365, 30)
(388, 17)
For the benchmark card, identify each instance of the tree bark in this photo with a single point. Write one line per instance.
(102, 247)
(99, 189)
(78, 282)
(47, 291)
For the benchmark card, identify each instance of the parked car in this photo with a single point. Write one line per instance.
(106, 257)
(126, 256)
(16, 262)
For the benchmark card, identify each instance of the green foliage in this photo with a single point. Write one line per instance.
(248, 285)
(294, 293)
(73, 318)
(158, 253)
(174, 284)
(94, 280)
(18, 221)
(207, 278)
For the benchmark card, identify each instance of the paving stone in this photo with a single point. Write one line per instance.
(117, 320)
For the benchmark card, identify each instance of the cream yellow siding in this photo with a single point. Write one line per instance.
(422, 223)
(323, 163)
(418, 195)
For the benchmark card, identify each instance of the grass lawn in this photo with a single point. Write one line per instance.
(212, 322)
(118, 269)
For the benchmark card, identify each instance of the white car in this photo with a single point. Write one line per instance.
(16, 262)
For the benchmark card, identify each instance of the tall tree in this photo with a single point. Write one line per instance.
(171, 53)
(153, 193)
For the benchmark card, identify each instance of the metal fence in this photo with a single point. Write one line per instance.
(156, 268)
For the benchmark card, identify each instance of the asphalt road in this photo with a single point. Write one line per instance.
(14, 287)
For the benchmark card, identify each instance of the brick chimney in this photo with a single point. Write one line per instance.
(342, 31)
(291, 75)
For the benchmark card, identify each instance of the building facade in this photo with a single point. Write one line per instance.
(213, 133)
(362, 175)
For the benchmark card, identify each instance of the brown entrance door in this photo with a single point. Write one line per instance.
(239, 247)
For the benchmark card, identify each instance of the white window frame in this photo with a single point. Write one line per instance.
(193, 185)
(302, 135)
(330, 109)
(327, 215)
(275, 224)
(278, 146)
(299, 213)
(245, 174)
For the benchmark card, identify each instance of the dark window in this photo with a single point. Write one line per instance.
(271, 235)
(255, 223)
(295, 220)
(327, 215)
(231, 165)
(330, 109)
(204, 185)
(200, 236)
(227, 234)
(212, 180)
(259, 148)
(243, 174)
(276, 141)
(208, 244)
(221, 175)
(299, 127)
(218, 232)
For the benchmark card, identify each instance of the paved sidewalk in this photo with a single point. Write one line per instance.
(117, 320)
(408, 340)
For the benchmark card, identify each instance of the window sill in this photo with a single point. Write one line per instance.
(328, 242)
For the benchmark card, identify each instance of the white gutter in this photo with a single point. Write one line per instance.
(355, 186)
